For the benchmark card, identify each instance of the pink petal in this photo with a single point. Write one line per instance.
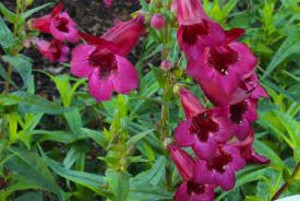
(126, 79)
(80, 65)
(100, 89)
(125, 34)
(190, 103)
(182, 134)
(42, 23)
(226, 179)
(205, 150)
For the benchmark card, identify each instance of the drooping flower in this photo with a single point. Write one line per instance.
(221, 70)
(247, 150)
(103, 60)
(158, 21)
(189, 190)
(203, 129)
(54, 50)
(196, 30)
(59, 24)
(220, 169)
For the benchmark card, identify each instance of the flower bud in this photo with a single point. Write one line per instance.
(183, 161)
(158, 21)
(166, 65)
(190, 103)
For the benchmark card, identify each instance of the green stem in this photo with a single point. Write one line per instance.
(286, 184)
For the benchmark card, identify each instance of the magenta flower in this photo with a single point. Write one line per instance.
(196, 30)
(158, 21)
(183, 161)
(203, 129)
(103, 60)
(108, 3)
(247, 151)
(189, 190)
(242, 115)
(54, 50)
(221, 70)
(190, 103)
(59, 24)
(220, 169)
(126, 34)
(193, 191)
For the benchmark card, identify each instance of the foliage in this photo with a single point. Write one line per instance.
(74, 148)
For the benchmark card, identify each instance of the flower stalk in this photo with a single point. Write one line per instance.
(285, 186)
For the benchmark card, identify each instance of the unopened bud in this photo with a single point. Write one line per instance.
(158, 21)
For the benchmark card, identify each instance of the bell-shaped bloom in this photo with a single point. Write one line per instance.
(59, 24)
(190, 103)
(247, 150)
(220, 169)
(204, 131)
(54, 50)
(158, 21)
(108, 3)
(221, 70)
(193, 191)
(183, 161)
(196, 30)
(103, 60)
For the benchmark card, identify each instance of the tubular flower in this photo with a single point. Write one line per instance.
(191, 105)
(193, 191)
(242, 115)
(220, 169)
(54, 50)
(196, 30)
(189, 190)
(59, 24)
(203, 129)
(103, 62)
(247, 151)
(221, 70)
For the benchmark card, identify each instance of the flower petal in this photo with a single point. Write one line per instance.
(182, 134)
(126, 79)
(100, 89)
(80, 65)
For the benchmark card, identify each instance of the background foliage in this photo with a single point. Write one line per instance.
(73, 148)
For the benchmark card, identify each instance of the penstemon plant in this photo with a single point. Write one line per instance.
(159, 107)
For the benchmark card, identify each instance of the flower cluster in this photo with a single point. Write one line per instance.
(101, 59)
(220, 137)
(60, 25)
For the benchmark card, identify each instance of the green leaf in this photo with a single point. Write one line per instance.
(29, 103)
(23, 65)
(9, 16)
(94, 182)
(136, 138)
(155, 175)
(146, 192)
(30, 165)
(120, 184)
(288, 47)
(97, 136)
(32, 196)
(34, 10)
(56, 136)
(74, 120)
(6, 37)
